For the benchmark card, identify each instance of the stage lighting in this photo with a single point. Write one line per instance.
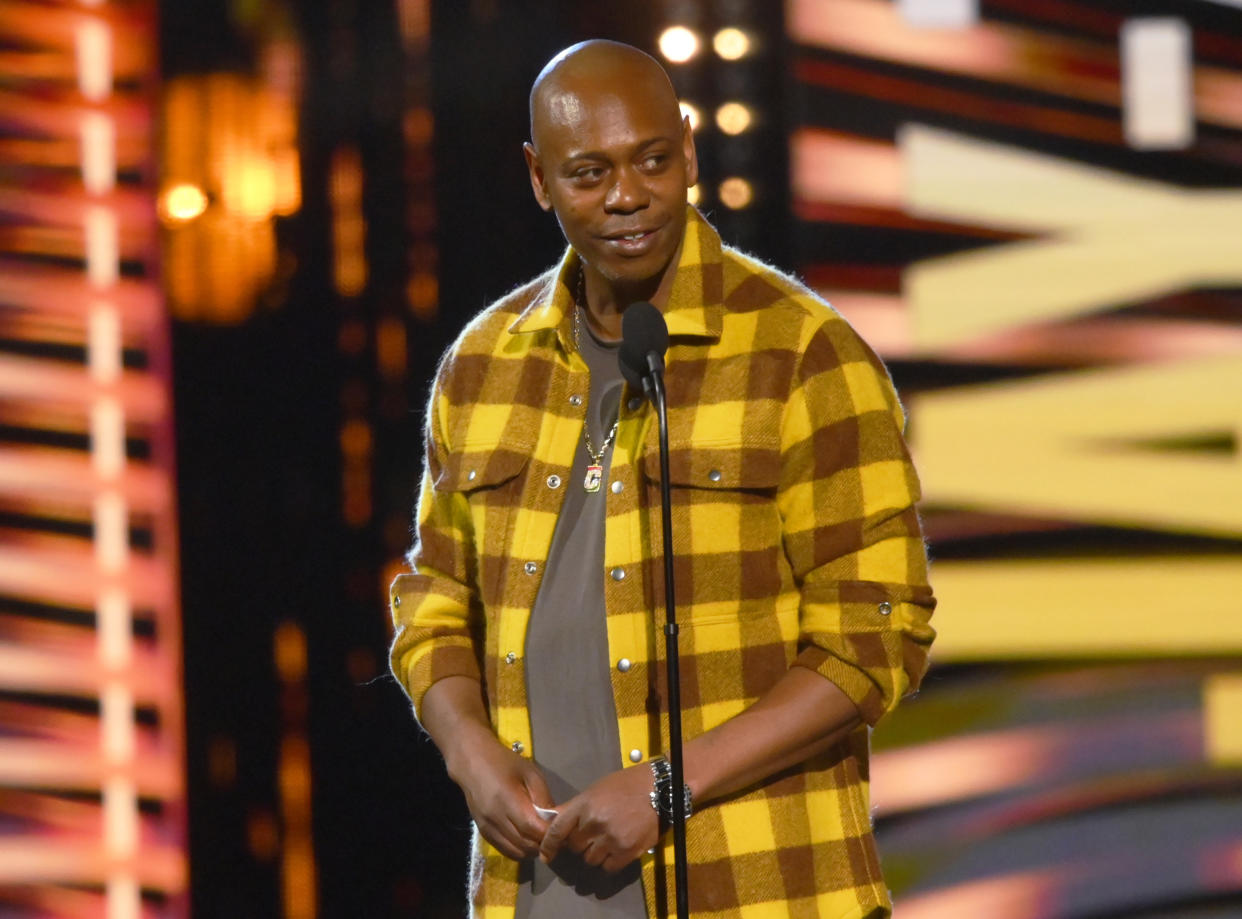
(733, 118)
(731, 44)
(182, 202)
(736, 193)
(678, 44)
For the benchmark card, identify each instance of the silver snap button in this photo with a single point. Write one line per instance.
(618, 574)
(470, 475)
(510, 657)
(618, 487)
(634, 403)
(885, 608)
(624, 665)
(396, 601)
(530, 567)
(517, 746)
(714, 475)
(554, 481)
(575, 399)
(636, 756)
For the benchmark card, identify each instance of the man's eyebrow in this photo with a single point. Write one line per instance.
(601, 155)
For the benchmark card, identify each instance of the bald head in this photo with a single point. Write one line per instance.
(612, 157)
(589, 70)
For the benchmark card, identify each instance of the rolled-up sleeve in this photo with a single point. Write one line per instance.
(850, 529)
(437, 618)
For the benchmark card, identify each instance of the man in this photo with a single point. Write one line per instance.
(528, 635)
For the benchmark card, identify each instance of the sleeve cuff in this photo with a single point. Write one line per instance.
(443, 661)
(856, 685)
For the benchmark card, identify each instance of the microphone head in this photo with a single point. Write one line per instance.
(643, 332)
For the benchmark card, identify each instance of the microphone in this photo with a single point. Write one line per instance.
(644, 339)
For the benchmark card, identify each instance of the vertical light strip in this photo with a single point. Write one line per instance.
(94, 47)
(114, 618)
(107, 437)
(298, 872)
(98, 153)
(103, 246)
(103, 342)
(1156, 84)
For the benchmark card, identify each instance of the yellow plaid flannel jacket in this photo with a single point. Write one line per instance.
(795, 537)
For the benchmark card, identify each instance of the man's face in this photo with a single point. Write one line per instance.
(614, 165)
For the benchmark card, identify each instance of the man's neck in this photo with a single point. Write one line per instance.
(606, 300)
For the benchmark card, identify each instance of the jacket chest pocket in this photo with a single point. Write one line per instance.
(749, 465)
(489, 476)
(730, 560)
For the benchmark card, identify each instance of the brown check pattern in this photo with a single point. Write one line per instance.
(795, 537)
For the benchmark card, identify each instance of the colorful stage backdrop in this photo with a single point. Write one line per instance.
(92, 805)
(1033, 210)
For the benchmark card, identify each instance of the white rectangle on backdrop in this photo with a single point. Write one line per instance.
(1157, 83)
(939, 14)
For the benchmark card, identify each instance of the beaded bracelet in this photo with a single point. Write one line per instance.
(662, 790)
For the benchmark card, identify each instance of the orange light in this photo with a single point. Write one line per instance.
(731, 44)
(251, 191)
(390, 347)
(736, 193)
(733, 118)
(290, 652)
(423, 293)
(182, 203)
(678, 44)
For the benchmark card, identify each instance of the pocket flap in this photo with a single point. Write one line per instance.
(750, 465)
(483, 466)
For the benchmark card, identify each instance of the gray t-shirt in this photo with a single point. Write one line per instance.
(572, 712)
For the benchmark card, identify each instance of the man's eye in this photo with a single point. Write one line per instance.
(655, 161)
(594, 174)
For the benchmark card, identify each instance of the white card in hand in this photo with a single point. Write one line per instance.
(547, 813)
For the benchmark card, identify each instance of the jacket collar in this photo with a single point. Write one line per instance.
(694, 307)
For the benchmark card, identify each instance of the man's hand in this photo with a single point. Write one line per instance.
(501, 789)
(609, 824)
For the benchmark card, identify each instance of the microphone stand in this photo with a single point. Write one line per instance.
(653, 384)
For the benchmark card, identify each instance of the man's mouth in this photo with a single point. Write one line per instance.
(632, 242)
(631, 236)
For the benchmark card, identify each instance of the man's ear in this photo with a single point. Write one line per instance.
(687, 147)
(536, 177)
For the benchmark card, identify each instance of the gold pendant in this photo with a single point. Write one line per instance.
(594, 475)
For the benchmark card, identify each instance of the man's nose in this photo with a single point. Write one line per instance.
(628, 193)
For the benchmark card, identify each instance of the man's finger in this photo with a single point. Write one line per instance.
(595, 852)
(505, 839)
(556, 834)
(537, 788)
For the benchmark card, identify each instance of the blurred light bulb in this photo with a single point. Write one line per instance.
(731, 44)
(733, 118)
(182, 202)
(678, 44)
(736, 193)
(690, 111)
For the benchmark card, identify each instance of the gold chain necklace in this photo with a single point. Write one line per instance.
(595, 471)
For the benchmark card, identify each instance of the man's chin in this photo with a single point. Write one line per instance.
(636, 275)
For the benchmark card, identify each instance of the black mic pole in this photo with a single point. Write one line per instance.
(654, 383)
